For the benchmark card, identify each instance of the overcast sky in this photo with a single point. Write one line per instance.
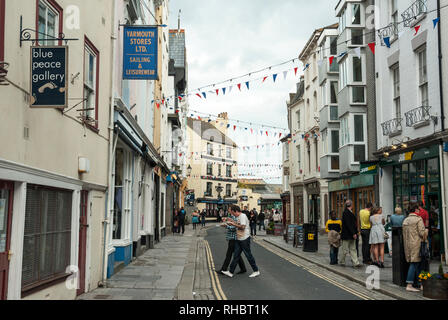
(227, 39)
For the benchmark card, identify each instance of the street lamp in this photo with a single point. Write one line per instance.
(189, 171)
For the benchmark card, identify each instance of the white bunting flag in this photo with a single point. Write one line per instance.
(285, 73)
(357, 52)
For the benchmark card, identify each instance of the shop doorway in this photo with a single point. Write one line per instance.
(314, 209)
(6, 200)
(82, 242)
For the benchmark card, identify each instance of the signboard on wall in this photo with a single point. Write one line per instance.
(140, 53)
(49, 77)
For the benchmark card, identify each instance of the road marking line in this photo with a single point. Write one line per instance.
(218, 289)
(218, 296)
(334, 282)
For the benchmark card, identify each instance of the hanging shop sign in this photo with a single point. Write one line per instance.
(49, 77)
(140, 53)
(369, 167)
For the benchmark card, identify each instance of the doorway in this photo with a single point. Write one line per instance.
(156, 207)
(82, 242)
(6, 200)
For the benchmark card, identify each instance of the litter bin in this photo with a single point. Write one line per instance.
(399, 265)
(310, 237)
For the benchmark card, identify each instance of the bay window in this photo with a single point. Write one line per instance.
(334, 113)
(357, 37)
(358, 94)
(357, 69)
(334, 141)
(333, 92)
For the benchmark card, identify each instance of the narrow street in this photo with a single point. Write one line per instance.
(288, 278)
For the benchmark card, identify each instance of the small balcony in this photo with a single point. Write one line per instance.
(414, 12)
(418, 117)
(392, 127)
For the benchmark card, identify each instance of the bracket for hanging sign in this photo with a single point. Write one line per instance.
(26, 35)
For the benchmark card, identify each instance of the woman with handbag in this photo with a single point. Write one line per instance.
(414, 237)
(377, 236)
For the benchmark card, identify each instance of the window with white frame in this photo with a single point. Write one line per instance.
(228, 171)
(394, 13)
(229, 153)
(359, 137)
(396, 91)
(345, 133)
(48, 23)
(209, 149)
(90, 83)
(357, 38)
(298, 119)
(324, 143)
(219, 170)
(123, 191)
(333, 113)
(423, 77)
(342, 21)
(333, 92)
(357, 69)
(286, 147)
(333, 45)
(323, 90)
(343, 74)
(358, 94)
(334, 141)
(209, 168)
(228, 190)
(356, 14)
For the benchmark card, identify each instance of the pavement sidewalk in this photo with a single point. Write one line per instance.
(359, 275)
(163, 273)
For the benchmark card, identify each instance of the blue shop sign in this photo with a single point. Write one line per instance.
(49, 77)
(140, 53)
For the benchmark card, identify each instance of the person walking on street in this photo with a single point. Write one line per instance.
(377, 236)
(414, 233)
(246, 212)
(182, 214)
(277, 217)
(333, 228)
(242, 244)
(364, 217)
(203, 219)
(261, 217)
(267, 218)
(231, 240)
(195, 219)
(176, 222)
(253, 223)
(349, 234)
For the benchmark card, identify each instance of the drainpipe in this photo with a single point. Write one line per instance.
(439, 36)
(112, 145)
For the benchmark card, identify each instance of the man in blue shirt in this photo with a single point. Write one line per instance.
(182, 215)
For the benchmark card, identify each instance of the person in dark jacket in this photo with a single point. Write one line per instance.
(261, 218)
(349, 234)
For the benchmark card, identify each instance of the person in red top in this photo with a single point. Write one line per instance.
(423, 213)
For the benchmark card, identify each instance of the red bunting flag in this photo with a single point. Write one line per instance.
(295, 70)
(264, 79)
(158, 105)
(331, 60)
(372, 47)
(267, 133)
(199, 117)
(239, 86)
(234, 128)
(279, 135)
(177, 111)
(217, 92)
(180, 98)
(163, 102)
(251, 131)
(198, 95)
(416, 29)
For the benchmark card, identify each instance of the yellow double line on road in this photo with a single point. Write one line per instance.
(352, 291)
(213, 275)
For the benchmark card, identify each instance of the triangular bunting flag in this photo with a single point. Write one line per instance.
(331, 60)
(416, 29)
(228, 126)
(230, 89)
(274, 76)
(387, 41)
(224, 91)
(205, 95)
(319, 62)
(198, 95)
(239, 86)
(285, 73)
(372, 47)
(358, 52)
(217, 92)
(180, 98)
(247, 85)
(234, 128)
(264, 79)
(435, 22)
(306, 66)
(158, 105)
(342, 54)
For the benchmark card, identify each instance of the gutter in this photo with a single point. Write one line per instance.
(440, 66)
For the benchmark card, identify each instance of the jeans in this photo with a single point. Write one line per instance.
(229, 254)
(242, 246)
(333, 255)
(260, 224)
(181, 225)
(253, 229)
(349, 247)
(413, 272)
(365, 234)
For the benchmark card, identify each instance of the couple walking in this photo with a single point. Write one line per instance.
(238, 237)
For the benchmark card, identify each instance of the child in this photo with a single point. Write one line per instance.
(334, 228)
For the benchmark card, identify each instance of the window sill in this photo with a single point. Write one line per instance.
(421, 124)
(33, 288)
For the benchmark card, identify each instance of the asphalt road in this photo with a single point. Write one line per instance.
(279, 279)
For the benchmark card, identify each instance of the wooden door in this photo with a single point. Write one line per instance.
(6, 200)
(82, 241)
